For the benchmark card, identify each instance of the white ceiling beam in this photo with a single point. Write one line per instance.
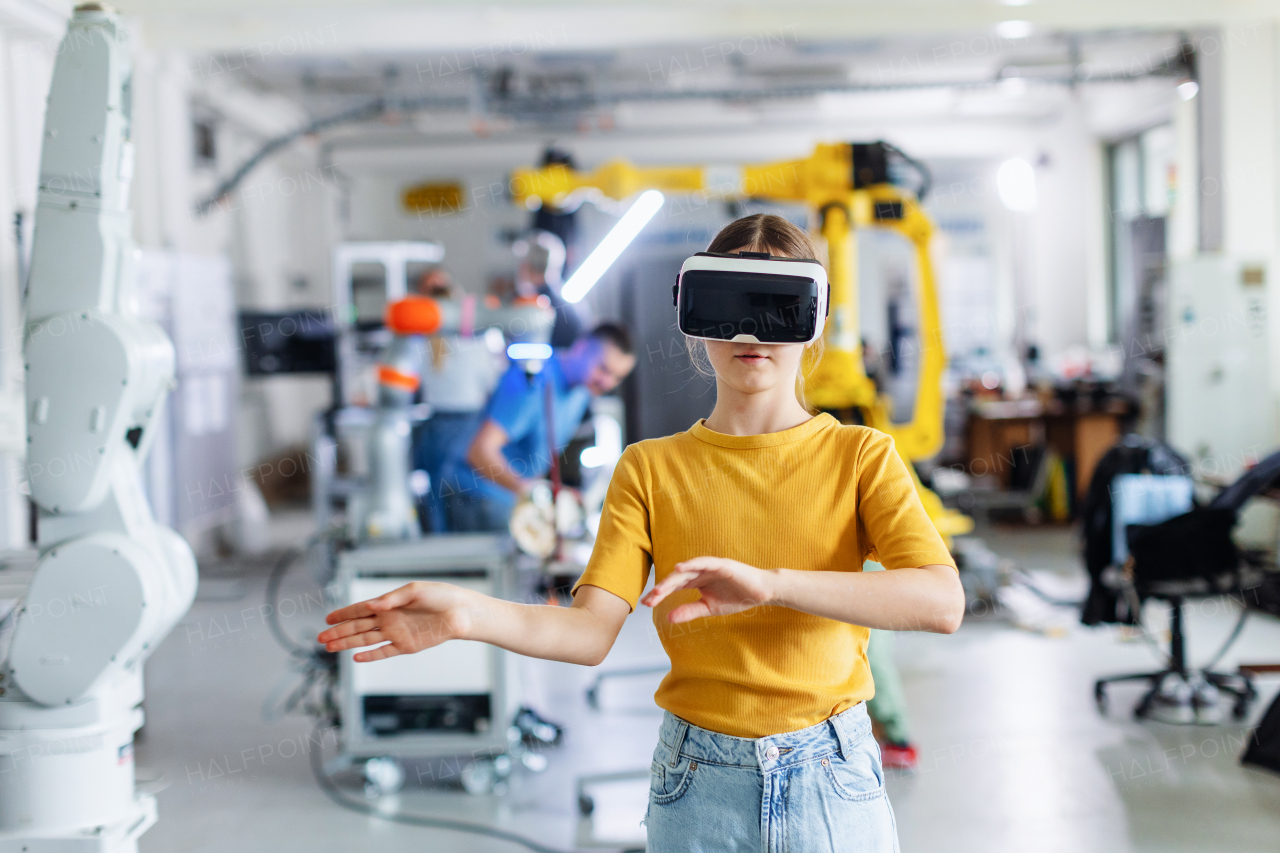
(275, 28)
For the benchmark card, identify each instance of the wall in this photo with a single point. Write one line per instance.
(1250, 145)
(277, 227)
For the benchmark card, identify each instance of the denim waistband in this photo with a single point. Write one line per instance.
(835, 734)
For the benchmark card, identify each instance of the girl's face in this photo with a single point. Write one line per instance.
(755, 368)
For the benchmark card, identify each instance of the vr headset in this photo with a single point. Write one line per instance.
(751, 297)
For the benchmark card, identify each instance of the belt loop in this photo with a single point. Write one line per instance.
(682, 729)
(843, 741)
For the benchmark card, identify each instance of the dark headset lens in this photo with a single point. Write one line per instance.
(777, 309)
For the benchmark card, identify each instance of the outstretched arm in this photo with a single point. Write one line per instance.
(420, 615)
(928, 598)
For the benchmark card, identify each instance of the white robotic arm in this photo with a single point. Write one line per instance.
(110, 582)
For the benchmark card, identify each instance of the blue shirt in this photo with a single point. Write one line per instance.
(518, 405)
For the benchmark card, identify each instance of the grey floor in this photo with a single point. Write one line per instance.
(1014, 755)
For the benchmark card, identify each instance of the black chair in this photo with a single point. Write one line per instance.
(1187, 556)
(1193, 555)
(1132, 454)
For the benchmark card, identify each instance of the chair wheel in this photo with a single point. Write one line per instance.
(593, 697)
(586, 805)
(1241, 708)
(1100, 698)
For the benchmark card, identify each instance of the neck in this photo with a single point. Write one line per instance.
(739, 413)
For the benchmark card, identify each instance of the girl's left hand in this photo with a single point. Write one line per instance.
(727, 586)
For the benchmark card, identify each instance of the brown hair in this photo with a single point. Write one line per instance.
(766, 232)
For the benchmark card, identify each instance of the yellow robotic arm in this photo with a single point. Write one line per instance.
(847, 186)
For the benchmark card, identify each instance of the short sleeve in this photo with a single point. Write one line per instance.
(623, 550)
(514, 406)
(894, 524)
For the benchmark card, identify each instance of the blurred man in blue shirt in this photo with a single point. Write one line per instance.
(490, 469)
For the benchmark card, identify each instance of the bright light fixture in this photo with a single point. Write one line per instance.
(1016, 182)
(529, 352)
(613, 244)
(1015, 2)
(1013, 29)
(1188, 89)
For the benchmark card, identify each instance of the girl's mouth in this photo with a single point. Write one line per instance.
(751, 357)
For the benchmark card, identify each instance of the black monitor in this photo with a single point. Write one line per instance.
(288, 342)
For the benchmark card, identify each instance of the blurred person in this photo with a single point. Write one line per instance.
(509, 450)
(458, 374)
(888, 708)
(541, 255)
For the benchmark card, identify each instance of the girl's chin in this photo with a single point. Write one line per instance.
(753, 385)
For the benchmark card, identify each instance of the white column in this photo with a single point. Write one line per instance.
(1183, 235)
(1250, 145)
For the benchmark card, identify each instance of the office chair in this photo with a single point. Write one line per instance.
(1192, 554)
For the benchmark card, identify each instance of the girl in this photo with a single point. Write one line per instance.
(756, 522)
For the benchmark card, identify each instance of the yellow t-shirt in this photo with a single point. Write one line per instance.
(817, 497)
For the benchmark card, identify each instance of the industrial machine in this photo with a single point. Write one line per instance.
(454, 700)
(847, 186)
(110, 582)
(368, 276)
(381, 330)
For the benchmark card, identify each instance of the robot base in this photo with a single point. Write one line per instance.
(121, 837)
(71, 788)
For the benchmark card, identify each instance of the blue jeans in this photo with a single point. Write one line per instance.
(816, 790)
(434, 441)
(473, 504)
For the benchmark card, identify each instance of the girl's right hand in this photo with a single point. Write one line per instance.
(414, 617)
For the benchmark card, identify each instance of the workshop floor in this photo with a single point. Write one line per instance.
(1014, 755)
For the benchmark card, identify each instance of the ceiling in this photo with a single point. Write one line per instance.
(356, 26)
(387, 75)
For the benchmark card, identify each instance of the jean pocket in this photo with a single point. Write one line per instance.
(859, 776)
(668, 784)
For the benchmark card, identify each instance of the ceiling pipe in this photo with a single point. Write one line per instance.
(534, 105)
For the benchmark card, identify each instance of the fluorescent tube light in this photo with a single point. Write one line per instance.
(529, 352)
(636, 217)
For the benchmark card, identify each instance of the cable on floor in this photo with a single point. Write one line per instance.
(1025, 580)
(274, 581)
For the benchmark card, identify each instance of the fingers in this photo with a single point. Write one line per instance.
(351, 611)
(690, 574)
(396, 598)
(387, 651)
(701, 564)
(671, 583)
(346, 629)
(355, 641)
(688, 612)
